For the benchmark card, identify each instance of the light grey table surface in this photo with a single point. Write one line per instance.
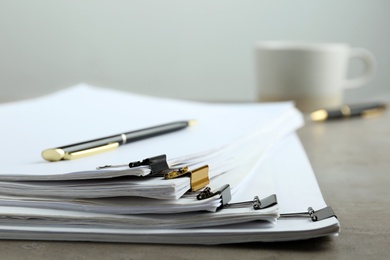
(351, 159)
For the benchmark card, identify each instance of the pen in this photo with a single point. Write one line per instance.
(86, 148)
(346, 111)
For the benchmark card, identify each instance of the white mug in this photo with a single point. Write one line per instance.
(314, 75)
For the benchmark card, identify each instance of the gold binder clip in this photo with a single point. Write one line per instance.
(174, 173)
(199, 177)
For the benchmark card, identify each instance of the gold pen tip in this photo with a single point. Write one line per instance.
(53, 154)
(319, 115)
(191, 122)
(373, 112)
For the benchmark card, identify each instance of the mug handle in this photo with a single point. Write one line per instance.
(369, 62)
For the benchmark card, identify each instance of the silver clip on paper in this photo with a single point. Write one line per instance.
(225, 195)
(318, 215)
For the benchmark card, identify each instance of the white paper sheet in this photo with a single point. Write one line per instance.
(83, 113)
(296, 188)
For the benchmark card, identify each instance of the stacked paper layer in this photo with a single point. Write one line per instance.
(39, 198)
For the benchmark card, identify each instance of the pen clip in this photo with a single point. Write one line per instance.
(57, 154)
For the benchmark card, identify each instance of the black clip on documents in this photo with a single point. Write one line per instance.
(157, 164)
(223, 192)
(225, 195)
(318, 215)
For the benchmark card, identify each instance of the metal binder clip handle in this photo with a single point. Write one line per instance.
(157, 164)
(256, 203)
(174, 173)
(225, 195)
(318, 215)
(224, 192)
(321, 214)
(199, 177)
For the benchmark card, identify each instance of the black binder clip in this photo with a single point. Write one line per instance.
(318, 215)
(256, 203)
(157, 164)
(225, 195)
(199, 177)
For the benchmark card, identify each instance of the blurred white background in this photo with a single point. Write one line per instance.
(195, 49)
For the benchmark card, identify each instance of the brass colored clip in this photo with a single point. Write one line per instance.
(199, 177)
(174, 173)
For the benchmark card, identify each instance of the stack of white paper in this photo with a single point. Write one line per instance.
(244, 145)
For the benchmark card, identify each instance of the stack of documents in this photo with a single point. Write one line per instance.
(260, 186)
